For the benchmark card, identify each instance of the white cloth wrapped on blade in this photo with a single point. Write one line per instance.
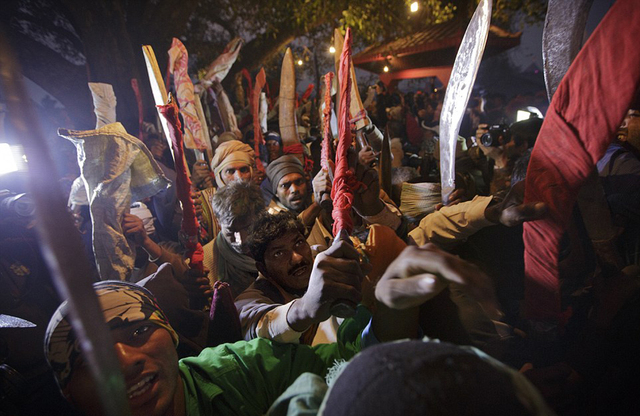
(116, 168)
(226, 111)
(104, 103)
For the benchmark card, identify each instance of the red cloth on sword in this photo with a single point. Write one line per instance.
(258, 139)
(325, 155)
(183, 186)
(307, 92)
(247, 76)
(344, 178)
(572, 139)
(136, 91)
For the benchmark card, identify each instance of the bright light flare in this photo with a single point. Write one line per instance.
(299, 62)
(522, 115)
(332, 50)
(7, 162)
(414, 7)
(386, 68)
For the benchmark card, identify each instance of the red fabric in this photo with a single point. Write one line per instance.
(183, 186)
(298, 149)
(258, 139)
(307, 92)
(136, 91)
(344, 178)
(247, 76)
(584, 115)
(223, 316)
(414, 132)
(325, 155)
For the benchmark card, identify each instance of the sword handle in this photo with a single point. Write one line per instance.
(363, 142)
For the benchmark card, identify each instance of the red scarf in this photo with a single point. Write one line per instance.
(584, 115)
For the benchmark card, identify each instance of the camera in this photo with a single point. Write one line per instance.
(495, 133)
(12, 205)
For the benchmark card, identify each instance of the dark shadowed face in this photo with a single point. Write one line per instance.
(157, 148)
(292, 192)
(629, 130)
(149, 363)
(275, 151)
(288, 261)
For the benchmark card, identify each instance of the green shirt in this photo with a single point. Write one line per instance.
(245, 378)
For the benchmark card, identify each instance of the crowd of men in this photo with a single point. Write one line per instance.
(418, 310)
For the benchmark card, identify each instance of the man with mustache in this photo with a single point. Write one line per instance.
(292, 298)
(243, 378)
(293, 193)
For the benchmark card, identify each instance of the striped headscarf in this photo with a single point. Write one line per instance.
(122, 303)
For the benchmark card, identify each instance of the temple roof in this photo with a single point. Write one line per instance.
(432, 50)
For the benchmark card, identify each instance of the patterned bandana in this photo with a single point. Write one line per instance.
(122, 304)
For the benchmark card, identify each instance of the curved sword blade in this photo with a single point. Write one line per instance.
(61, 245)
(463, 75)
(562, 38)
(8, 321)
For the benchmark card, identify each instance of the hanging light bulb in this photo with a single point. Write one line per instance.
(299, 62)
(414, 7)
(386, 68)
(332, 50)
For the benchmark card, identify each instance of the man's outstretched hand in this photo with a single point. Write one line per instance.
(512, 211)
(335, 278)
(420, 273)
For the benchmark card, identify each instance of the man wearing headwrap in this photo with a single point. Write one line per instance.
(232, 161)
(291, 193)
(242, 378)
(274, 145)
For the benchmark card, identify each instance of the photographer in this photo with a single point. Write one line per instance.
(503, 145)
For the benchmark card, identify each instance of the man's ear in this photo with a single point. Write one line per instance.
(261, 268)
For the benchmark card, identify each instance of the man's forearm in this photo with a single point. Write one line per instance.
(297, 317)
(309, 215)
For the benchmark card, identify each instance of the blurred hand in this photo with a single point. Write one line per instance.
(321, 185)
(420, 273)
(201, 175)
(197, 283)
(457, 196)
(133, 228)
(197, 203)
(366, 200)
(366, 156)
(512, 211)
(335, 280)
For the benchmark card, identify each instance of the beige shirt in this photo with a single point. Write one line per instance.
(454, 224)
